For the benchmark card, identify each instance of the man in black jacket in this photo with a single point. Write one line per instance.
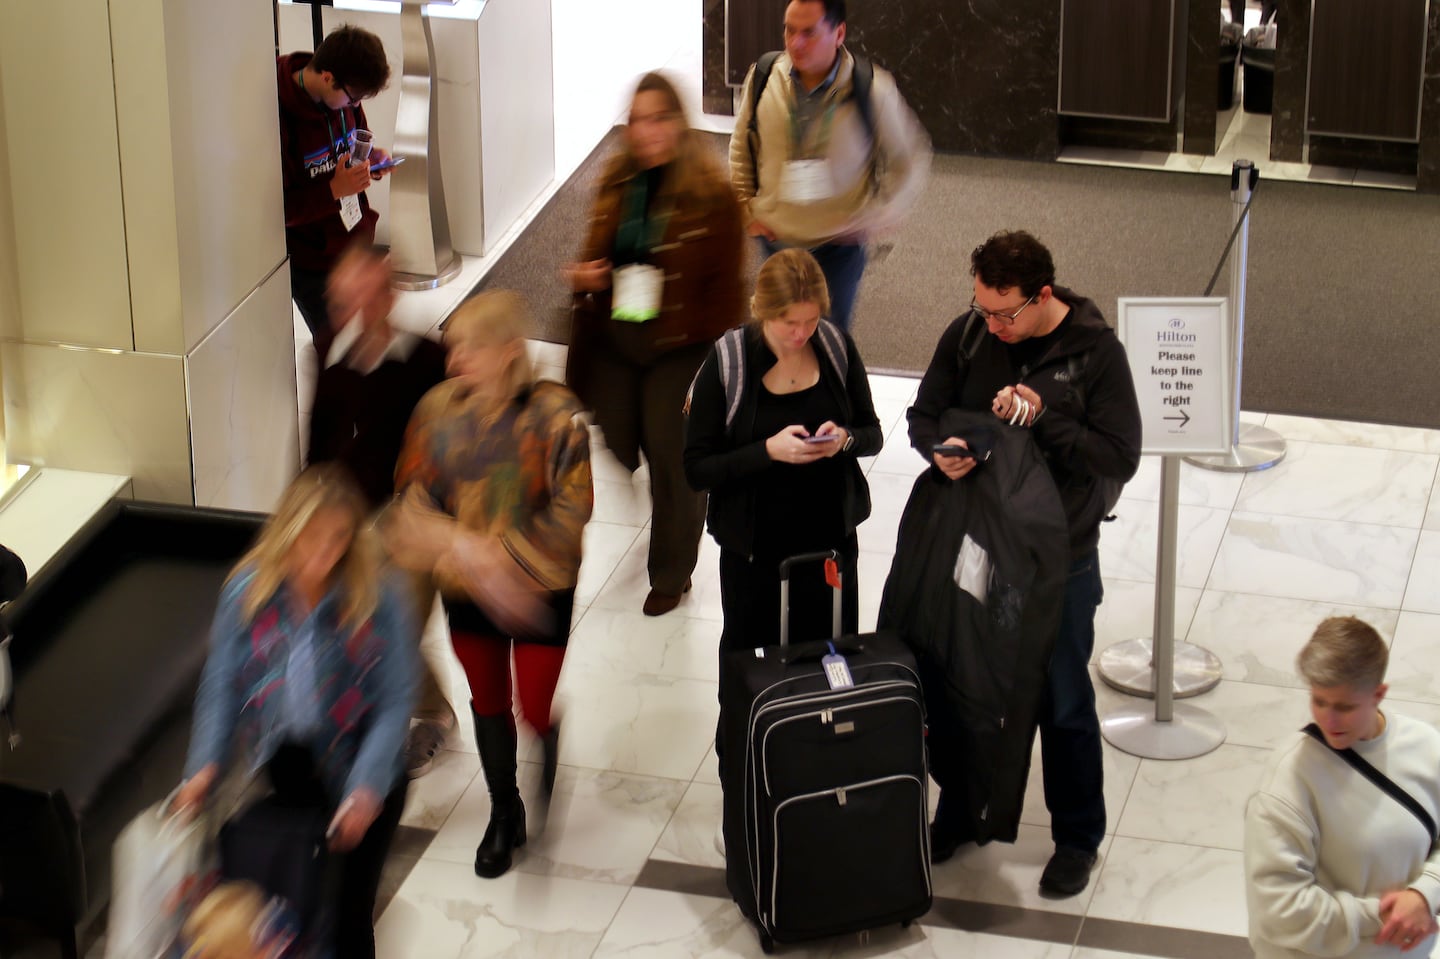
(1041, 357)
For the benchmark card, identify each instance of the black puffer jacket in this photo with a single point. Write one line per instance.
(1089, 432)
(975, 591)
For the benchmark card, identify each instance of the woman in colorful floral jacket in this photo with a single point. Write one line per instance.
(495, 491)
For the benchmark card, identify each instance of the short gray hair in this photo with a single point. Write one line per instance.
(1344, 651)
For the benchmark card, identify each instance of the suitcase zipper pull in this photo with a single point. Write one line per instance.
(840, 795)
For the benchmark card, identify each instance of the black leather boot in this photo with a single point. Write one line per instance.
(551, 745)
(495, 735)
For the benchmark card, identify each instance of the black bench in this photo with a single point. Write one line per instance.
(108, 643)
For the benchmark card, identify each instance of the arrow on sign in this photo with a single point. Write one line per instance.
(1183, 418)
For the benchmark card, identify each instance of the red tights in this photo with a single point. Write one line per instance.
(487, 666)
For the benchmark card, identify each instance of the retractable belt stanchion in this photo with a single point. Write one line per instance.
(1168, 730)
(1255, 447)
(1129, 666)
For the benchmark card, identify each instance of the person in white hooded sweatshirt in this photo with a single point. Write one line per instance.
(1334, 866)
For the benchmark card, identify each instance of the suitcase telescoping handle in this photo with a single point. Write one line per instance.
(832, 561)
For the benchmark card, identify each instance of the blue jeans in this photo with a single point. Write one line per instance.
(1069, 727)
(843, 264)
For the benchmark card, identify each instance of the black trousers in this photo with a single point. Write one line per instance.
(307, 289)
(293, 776)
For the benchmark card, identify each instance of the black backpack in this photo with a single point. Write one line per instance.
(861, 80)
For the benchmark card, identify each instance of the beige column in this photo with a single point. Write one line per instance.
(145, 323)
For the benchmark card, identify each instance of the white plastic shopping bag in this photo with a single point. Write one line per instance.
(161, 861)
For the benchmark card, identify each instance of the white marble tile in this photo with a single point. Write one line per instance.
(100, 411)
(621, 502)
(40, 516)
(889, 493)
(1422, 593)
(629, 581)
(604, 545)
(1414, 671)
(1349, 563)
(1198, 487)
(709, 768)
(601, 826)
(929, 942)
(1128, 612)
(626, 641)
(1253, 715)
(1118, 768)
(1347, 433)
(1258, 637)
(241, 386)
(644, 724)
(897, 455)
(434, 795)
(1327, 481)
(1085, 952)
(444, 911)
(662, 925)
(1200, 801)
(1007, 874)
(690, 835)
(1169, 884)
(894, 387)
(872, 569)
(1127, 546)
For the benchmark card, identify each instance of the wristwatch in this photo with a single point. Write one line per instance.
(849, 442)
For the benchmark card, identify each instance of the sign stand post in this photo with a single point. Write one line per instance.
(1179, 359)
(1255, 447)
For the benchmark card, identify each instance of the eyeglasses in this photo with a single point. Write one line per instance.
(1006, 318)
(352, 97)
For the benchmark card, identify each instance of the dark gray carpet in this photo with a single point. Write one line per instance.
(1342, 280)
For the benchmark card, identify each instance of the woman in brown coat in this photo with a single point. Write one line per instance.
(658, 280)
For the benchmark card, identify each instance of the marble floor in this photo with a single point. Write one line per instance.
(625, 866)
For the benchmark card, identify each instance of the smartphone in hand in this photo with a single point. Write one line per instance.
(386, 164)
(945, 450)
(827, 438)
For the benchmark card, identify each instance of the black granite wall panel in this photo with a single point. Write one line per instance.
(713, 89)
(982, 75)
(1292, 59)
(1202, 69)
(1428, 171)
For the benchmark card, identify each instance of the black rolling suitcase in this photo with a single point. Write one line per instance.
(825, 814)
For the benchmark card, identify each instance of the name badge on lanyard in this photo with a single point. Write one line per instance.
(806, 181)
(636, 293)
(350, 212)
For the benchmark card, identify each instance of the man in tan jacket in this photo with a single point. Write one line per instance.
(821, 164)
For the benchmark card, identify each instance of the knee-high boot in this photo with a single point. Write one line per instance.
(495, 736)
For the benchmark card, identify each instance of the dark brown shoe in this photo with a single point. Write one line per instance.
(658, 603)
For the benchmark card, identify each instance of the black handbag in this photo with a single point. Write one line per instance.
(282, 849)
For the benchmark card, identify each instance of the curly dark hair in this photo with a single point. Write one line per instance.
(1013, 260)
(355, 58)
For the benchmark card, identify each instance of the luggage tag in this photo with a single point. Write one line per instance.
(806, 181)
(832, 576)
(837, 671)
(636, 293)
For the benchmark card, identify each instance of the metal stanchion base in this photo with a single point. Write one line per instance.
(1256, 448)
(1192, 732)
(1129, 667)
(420, 281)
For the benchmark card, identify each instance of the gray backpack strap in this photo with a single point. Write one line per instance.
(832, 344)
(730, 363)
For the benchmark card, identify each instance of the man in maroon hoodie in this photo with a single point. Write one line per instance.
(325, 204)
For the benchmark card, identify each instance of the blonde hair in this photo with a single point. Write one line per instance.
(694, 172)
(318, 488)
(224, 924)
(1344, 651)
(496, 318)
(787, 278)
